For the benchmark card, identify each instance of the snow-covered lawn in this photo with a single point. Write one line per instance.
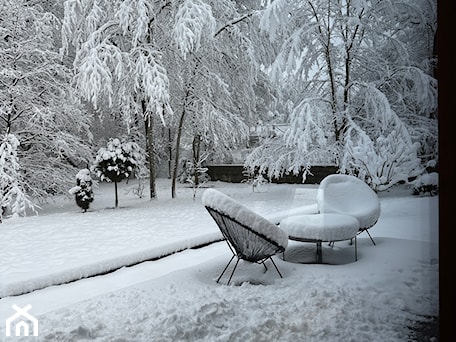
(390, 287)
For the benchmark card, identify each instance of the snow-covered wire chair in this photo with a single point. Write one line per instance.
(249, 236)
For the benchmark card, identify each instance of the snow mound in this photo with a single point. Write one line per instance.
(226, 205)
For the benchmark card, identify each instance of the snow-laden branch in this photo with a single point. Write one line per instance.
(152, 80)
(306, 129)
(233, 22)
(194, 21)
(94, 76)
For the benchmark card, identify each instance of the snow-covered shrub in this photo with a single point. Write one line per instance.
(83, 192)
(381, 162)
(13, 196)
(379, 150)
(117, 161)
(190, 173)
(427, 183)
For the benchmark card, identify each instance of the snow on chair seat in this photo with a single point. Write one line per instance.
(249, 236)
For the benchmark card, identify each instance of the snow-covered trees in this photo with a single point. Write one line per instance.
(152, 59)
(117, 161)
(37, 104)
(13, 197)
(216, 80)
(351, 79)
(83, 192)
(117, 62)
(355, 62)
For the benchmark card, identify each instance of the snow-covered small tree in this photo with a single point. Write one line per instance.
(13, 196)
(83, 192)
(117, 161)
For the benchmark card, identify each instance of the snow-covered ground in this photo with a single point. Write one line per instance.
(377, 298)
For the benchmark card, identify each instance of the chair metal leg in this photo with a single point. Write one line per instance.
(356, 249)
(220, 276)
(319, 253)
(370, 236)
(234, 269)
(277, 269)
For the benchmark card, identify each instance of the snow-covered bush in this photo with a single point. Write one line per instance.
(13, 196)
(191, 172)
(117, 161)
(382, 161)
(427, 183)
(380, 150)
(83, 192)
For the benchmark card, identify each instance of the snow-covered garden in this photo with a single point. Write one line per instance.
(384, 296)
(113, 111)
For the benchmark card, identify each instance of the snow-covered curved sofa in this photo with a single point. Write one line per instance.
(250, 236)
(340, 194)
(349, 195)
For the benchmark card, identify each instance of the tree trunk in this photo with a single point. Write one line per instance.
(196, 157)
(148, 122)
(117, 198)
(170, 153)
(176, 153)
(179, 133)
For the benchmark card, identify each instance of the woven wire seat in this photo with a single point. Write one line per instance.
(246, 242)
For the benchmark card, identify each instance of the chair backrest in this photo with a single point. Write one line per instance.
(345, 194)
(253, 237)
(246, 243)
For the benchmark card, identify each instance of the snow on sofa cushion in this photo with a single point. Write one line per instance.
(226, 205)
(277, 217)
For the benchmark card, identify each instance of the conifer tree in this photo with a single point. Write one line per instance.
(83, 192)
